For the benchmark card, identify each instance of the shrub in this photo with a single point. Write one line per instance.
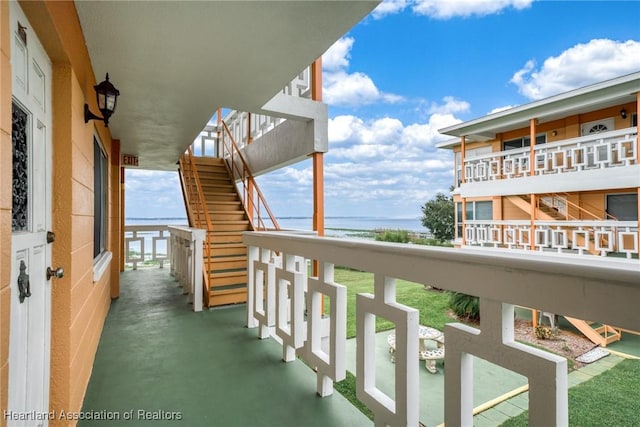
(466, 307)
(396, 236)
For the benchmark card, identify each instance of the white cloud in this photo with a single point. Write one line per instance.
(447, 9)
(389, 7)
(578, 66)
(450, 105)
(343, 88)
(153, 194)
(390, 167)
(337, 56)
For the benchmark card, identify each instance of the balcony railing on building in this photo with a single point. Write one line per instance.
(602, 238)
(597, 151)
(277, 306)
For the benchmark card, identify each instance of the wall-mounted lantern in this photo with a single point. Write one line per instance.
(107, 97)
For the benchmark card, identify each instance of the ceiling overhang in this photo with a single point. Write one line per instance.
(583, 100)
(176, 62)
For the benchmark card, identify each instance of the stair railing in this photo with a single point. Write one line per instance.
(254, 201)
(198, 207)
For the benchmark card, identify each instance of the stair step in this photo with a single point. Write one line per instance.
(225, 205)
(231, 225)
(217, 264)
(225, 237)
(225, 249)
(218, 196)
(227, 215)
(227, 296)
(227, 279)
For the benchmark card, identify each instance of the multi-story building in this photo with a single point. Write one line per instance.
(559, 175)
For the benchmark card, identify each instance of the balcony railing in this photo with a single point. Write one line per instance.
(597, 151)
(146, 246)
(278, 280)
(186, 261)
(243, 125)
(603, 238)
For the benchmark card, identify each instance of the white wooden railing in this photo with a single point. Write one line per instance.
(138, 239)
(242, 124)
(277, 281)
(604, 238)
(186, 261)
(597, 151)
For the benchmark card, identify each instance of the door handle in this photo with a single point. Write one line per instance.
(23, 282)
(58, 273)
(51, 237)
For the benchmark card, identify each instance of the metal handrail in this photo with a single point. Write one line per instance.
(238, 165)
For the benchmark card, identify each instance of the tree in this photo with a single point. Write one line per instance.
(439, 217)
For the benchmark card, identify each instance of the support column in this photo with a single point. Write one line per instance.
(532, 157)
(318, 164)
(638, 157)
(463, 150)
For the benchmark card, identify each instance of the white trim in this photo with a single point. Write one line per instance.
(101, 264)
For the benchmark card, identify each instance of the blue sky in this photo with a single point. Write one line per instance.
(413, 67)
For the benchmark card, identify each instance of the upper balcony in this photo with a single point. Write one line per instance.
(599, 161)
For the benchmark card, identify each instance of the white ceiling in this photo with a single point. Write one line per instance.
(176, 62)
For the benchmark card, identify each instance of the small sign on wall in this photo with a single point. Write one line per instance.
(129, 160)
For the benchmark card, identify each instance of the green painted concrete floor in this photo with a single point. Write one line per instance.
(158, 363)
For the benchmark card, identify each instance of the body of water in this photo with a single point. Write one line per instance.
(334, 226)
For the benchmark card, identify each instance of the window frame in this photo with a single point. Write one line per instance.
(633, 204)
(101, 255)
(524, 141)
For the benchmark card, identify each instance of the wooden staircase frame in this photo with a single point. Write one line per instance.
(198, 217)
(251, 199)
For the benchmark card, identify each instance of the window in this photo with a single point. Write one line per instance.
(598, 126)
(525, 141)
(623, 207)
(480, 211)
(99, 199)
(634, 119)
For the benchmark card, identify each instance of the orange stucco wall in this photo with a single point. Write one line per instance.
(5, 202)
(79, 305)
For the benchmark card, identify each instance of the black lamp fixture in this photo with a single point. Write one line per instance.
(107, 97)
(623, 113)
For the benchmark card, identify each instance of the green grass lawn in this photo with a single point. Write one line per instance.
(610, 399)
(433, 305)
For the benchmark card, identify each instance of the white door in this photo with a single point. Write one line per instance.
(30, 330)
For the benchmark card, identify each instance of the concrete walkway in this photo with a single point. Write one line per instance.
(159, 363)
(518, 404)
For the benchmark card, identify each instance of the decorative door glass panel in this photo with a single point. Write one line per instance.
(20, 142)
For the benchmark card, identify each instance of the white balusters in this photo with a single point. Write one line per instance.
(186, 261)
(572, 286)
(586, 238)
(600, 151)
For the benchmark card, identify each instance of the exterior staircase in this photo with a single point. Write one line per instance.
(213, 204)
(601, 335)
